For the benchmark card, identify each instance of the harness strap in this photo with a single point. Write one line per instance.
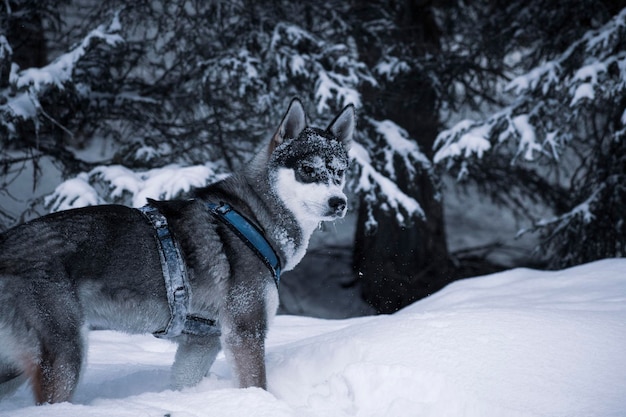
(250, 235)
(176, 283)
(175, 271)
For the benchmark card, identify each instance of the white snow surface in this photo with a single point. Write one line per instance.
(516, 343)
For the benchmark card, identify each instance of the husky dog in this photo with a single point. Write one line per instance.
(101, 266)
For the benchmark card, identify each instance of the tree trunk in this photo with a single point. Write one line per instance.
(27, 39)
(398, 265)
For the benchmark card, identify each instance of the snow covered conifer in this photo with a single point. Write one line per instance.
(560, 139)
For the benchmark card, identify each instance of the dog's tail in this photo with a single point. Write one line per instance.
(10, 380)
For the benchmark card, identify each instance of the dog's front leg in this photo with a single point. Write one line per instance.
(247, 355)
(194, 357)
(244, 329)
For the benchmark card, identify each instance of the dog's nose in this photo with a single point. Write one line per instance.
(337, 204)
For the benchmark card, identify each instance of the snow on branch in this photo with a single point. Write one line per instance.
(73, 193)
(241, 69)
(116, 183)
(397, 144)
(5, 48)
(390, 67)
(28, 85)
(464, 139)
(333, 86)
(332, 67)
(375, 179)
(377, 187)
(598, 47)
(540, 122)
(564, 230)
(61, 69)
(583, 211)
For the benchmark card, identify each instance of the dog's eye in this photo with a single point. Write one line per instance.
(308, 170)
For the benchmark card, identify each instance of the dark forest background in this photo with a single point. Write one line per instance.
(521, 102)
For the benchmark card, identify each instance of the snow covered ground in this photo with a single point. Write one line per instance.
(517, 343)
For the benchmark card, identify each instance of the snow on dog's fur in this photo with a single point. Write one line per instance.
(100, 266)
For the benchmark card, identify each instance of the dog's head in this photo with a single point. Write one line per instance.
(308, 164)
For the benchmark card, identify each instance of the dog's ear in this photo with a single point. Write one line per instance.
(342, 127)
(294, 122)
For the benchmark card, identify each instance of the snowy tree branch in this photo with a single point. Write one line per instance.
(118, 184)
(567, 81)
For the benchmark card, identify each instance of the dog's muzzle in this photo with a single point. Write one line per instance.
(337, 206)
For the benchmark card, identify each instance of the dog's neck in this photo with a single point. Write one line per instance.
(254, 198)
(286, 232)
(292, 237)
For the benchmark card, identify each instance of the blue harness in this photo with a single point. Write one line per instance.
(175, 270)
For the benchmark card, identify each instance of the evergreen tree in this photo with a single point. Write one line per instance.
(185, 83)
(400, 252)
(191, 88)
(559, 138)
(163, 82)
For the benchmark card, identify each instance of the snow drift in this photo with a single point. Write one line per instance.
(517, 343)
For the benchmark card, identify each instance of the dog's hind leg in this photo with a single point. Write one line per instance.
(55, 373)
(194, 358)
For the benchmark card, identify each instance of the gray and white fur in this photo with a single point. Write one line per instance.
(98, 267)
